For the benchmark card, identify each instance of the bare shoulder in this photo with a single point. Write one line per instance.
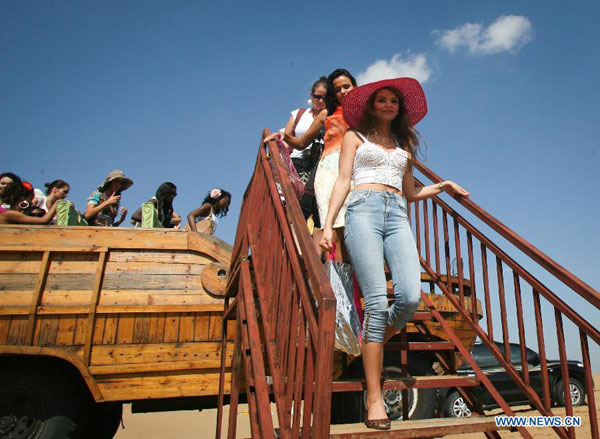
(352, 137)
(322, 115)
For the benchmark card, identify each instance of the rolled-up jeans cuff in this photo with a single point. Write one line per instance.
(374, 326)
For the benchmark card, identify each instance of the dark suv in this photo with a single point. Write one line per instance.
(454, 404)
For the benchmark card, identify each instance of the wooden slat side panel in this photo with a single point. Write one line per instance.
(156, 329)
(66, 330)
(139, 297)
(208, 352)
(46, 331)
(159, 257)
(141, 329)
(17, 330)
(125, 328)
(171, 327)
(80, 327)
(164, 385)
(112, 281)
(110, 329)
(186, 327)
(4, 328)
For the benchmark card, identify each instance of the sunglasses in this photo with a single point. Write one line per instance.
(27, 185)
(318, 96)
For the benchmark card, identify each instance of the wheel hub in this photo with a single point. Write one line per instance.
(575, 395)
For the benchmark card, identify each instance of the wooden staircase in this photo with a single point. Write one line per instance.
(285, 312)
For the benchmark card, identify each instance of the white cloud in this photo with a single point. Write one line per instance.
(414, 66)
(507, 34)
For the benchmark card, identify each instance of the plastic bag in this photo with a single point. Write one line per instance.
(297, 183)
(347, 323)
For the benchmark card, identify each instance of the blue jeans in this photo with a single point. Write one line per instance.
(377, 228)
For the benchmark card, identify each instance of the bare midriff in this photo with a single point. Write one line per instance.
(378, 187)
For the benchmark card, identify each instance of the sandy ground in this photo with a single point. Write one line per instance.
(200, 425)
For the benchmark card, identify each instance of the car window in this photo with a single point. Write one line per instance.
(484, 357)
(515, 354)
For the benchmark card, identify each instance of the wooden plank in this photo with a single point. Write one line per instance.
(161, 385)
(122, 354)
(110, 329)
(17, 330)
(156, 329)
(86, 263)
(37, 295)
(141, 329)
(47, 237)
(4, 327)
(125, 328)
(113, 281)
(186, 366)
(48, 329)
(66, 330)
(75, 298)
(171, 327)
(186, 327)
(201, 327)
(99, 329)
(164, 257)
(80, 327)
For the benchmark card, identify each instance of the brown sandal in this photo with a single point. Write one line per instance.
(378, 424)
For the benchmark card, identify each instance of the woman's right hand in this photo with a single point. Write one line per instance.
(273, 136)
(113, 199)
(326, 242)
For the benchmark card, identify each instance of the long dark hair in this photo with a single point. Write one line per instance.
(165, 203)
(330, 100)
(17, 191)
(55, 184)
(402, 129)
(214, 200)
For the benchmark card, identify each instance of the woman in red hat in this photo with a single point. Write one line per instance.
(376, 154)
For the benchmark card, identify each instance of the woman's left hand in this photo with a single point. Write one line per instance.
(454, 189)
(273, 137)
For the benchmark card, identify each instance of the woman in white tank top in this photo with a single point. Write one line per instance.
(378, 158)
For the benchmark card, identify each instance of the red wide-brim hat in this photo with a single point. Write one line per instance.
(355, 102)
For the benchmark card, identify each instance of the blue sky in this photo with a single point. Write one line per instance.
(180, 91)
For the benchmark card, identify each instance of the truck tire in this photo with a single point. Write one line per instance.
(39, 403)
(104, 422)
(577, 392)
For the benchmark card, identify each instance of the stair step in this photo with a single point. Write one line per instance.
(421, 316)
(410, 382)
(419, 346)
(416, 429)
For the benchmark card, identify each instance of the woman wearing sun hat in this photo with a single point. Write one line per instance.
(103, 204)
(376, 154)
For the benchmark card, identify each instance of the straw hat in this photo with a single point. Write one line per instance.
(125, 182)
(355, 102)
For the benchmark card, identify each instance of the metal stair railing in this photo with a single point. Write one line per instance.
(439, 243)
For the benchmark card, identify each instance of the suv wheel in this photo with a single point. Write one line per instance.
(455, 406)
(577, 392)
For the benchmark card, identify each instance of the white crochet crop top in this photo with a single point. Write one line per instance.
(373, 164)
